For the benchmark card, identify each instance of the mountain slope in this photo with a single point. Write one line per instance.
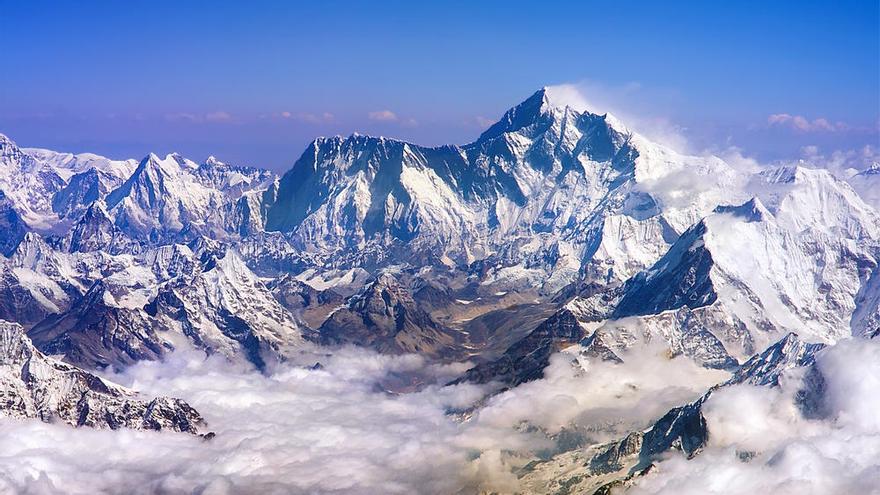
(384, 316)
(33, 385)
(541, 193)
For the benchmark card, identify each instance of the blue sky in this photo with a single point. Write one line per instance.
(255, 83)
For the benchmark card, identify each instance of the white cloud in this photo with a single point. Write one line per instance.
(334, 429)
(843, 163)
(483, 122)
(619, 397)
(311, 118)
(330, 430)
(218, 116)
(630, 103)
(383, 116)
(792, 455)
(802, 124)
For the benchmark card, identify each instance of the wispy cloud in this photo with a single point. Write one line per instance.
(632, 103)
(482, 122)
(218, 116)
(382, 116)
(311, 118)
(802, 124)
(213, 117)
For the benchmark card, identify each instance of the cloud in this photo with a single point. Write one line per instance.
(759, 442)
(218, 116)
(336, 429)
(307, 117)
(382, 116)
(631, 103)
(608, 399)
(842, 163)
(483, 122)
(182, 116)
(300, 430)
(802, 124)
(213, 117)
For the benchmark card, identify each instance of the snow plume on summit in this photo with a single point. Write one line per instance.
(630, 104)
(563, 305)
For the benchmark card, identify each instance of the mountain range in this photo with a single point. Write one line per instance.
(556, 230)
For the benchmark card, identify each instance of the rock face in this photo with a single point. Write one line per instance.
(33, 385)
(550, 189)
(95, 231)
(384, 316)
(12, 226)
(207, 296)
(97, 333)
(746, 275)
(526, 360)
(684, 429)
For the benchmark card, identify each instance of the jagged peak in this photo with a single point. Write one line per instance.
(6, 141)
(545, 106)
(873, 169)
(213, 161)
(794, 174)
(8, 146)
(98, 207)
(765, 367)
(202, 245)
(31, 243)
(15, 347)
(752, 210)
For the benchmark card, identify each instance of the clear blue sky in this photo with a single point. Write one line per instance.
(254, 82)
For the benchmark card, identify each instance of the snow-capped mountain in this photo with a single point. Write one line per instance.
(548, 192)
(683, 429)
(558, 229)
(174, 198)
(170, 296)
(33, 385)
(734, 282)
(154, 200)
(867, 184)
(47, 188)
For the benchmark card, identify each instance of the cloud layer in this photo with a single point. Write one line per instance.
(335, 429)
(760, 442)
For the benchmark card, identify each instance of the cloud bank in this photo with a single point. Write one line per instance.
(760, 442)
(336, 429)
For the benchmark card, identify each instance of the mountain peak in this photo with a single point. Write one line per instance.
(8, 147)
(874, 169)
(545, 106)
(752, 210)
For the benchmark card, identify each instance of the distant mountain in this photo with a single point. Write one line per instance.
(557, 229)
(735, 281)
(547, 193)
(867, 184)
(173, 198)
